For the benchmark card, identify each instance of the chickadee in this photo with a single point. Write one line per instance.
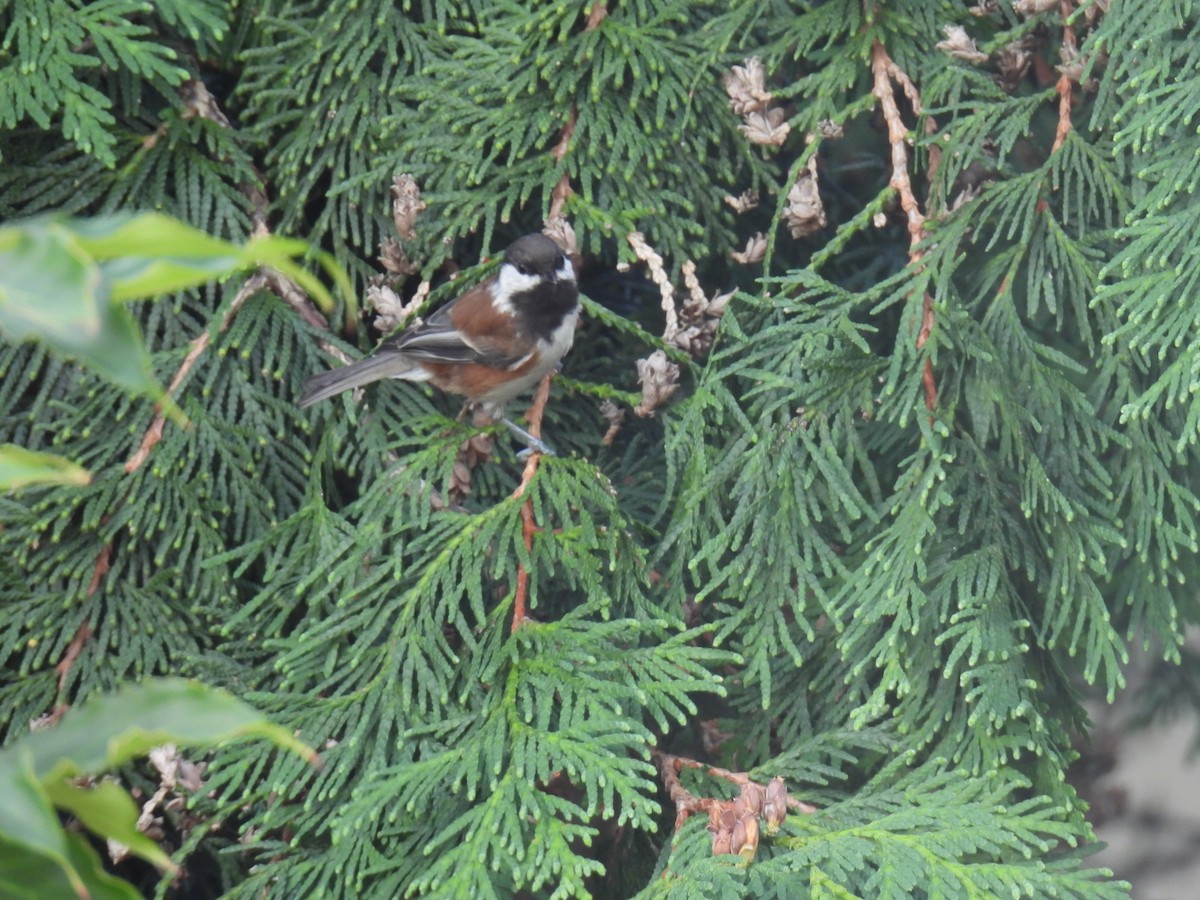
(490, 344)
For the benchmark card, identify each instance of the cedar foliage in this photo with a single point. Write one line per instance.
(916, 502)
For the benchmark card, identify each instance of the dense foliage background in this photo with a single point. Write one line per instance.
(935, 475)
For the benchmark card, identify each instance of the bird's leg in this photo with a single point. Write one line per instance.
(532, 444)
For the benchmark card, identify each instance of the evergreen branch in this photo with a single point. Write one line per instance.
(903, 614)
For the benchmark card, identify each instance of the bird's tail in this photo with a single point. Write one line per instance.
(373, 368)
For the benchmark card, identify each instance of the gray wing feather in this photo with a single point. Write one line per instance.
(437, 340)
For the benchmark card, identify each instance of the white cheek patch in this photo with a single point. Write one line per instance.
(566, 272)
(511, 282)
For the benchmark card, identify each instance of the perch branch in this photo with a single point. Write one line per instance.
(528, 525)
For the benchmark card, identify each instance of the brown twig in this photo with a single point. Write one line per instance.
(596, 16)
(198, 345)
(563, 190)
(199, 103)
(1063, 86)
(529, 527)
(685, 801)
(1064, 112)
(81, 637)
(82, 633)
(885, 71)
(295, 297)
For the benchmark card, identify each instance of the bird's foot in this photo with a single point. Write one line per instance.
(532, 444)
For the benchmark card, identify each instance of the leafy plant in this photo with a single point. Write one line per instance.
(50, 771)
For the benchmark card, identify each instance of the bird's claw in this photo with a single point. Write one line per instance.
(532, 444)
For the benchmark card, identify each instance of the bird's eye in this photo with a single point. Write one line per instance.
(522, 268)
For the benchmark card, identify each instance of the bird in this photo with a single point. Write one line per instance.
(490, 344)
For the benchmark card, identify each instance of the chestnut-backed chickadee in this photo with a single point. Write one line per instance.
(490, 344)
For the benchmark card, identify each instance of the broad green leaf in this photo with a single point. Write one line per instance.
(28, 821)
(52, 291)
(106, 809)
(20, 468)
(100, 884)
(101, 734)
(142, 277)
(147, 254)
(26, 875)
(110, 730)
(148, 234)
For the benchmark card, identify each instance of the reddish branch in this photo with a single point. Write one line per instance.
(885, 72)
(82, 633)
(528, 526)
(558, 198)
(1064, 111)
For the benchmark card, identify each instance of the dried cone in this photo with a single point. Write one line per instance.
(766, 127)
(805, 214)
(660, 379)
(393, 258)
(1033, 7)
(406, 204)
(746, 87)
(744, 840)
(775, 805)
(961, 45)
(753, 252)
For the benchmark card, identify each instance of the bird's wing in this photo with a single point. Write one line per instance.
(441, 338)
